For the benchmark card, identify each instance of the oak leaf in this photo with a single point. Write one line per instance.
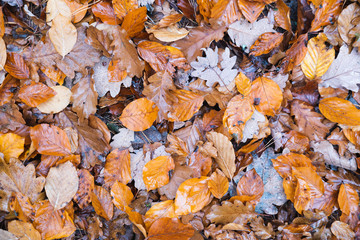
(50, 140)
(345, 22)
(61, 185)
(170, 228)
(121, 194)
(192, 195)
(139, 115)
(11, 145)
(156, 172)
(102, 203)
(226, 154)
(117, 167)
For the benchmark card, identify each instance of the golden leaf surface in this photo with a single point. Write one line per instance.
(156, 172)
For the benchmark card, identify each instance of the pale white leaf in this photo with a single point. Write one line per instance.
(63, 35)
(58, 102)
(252, 126)
(123, 139)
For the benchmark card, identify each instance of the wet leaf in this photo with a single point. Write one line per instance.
(218, 184)
(35, 93)
(156, 172)
(117, 167)
(348, 199)
(122, 195)
(102, 203)
(166, 228)
(250, 188)
(11, 145)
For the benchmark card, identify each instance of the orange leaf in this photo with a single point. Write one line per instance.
(218, 184)
(302, 196)
(6, 88)
(16, 67)
(23, 230)
(348, 199)
(326, 14)
(11, 145)
(170, 228)
(139, 115)
(35, 93)
(238, 111)
(200, 163)
(162, 57)
(225, 12)
(313, 180)
(22, 206)
(52, 224)
(265, 43)
(105, 12)
(266, 95)
(115, 74)
(243, 84)
(136, 219)
(78, 10)
(156, 172)
(123, 7)
(134, 21)
(101, 201)
(250, 188)
(283, 164)
(50, 140)
(122, 195)
(251, 9)
(117, 167)
(282, 15)
(185, 105)
(86, 187)
(159, 210)
(295, 54)
(192, 195)
(340, 111)
(54, 74)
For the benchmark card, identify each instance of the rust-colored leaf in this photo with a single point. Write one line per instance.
(282, 15)
(348, 199)
(170, 228)
(134, 21)
(326, 14)
(251, 9)
(16, 66)
(159, 210)
(192, 195)
(156, 172)
(102, 203)
(295, 54)
(250, 188)
(265, 43)
(136, 219)
(218, 184)
(123, 7)
(139, 115)
(22, 206)
(50, 140)
(86, 187)
(185, 105)
(23, 230)
(117, 167)
(122, 195)
(105, 12)
(35, 93)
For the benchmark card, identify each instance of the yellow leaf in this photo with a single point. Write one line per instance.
(2, 54)
(218, 184)
(192, 195)
(156, 172)
(243, 84)
(23, 230)
(11, 145)
(318, 58)
(122, 195)
(63, 35)
(58, 102)
(159, 210)
(185, 105)
(340, 111)
(139, 115)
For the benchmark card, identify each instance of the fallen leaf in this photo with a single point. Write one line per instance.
(16, 66)
(58, 102)
(35, 93)
(123, 7)
(106, 13)
(348, 199)
(117, 167)
(22, 206)
(266, 43)
(86, 187)
(102, 203)
(250, 188)
(61, 185)
(156, 172)
(170, 228)
(159, 210)
(282, 15)
(218, 184)
(121, 194)
(134, 21)
(251, 9)
(63, 34)
(326, 14)
(23, 230)
(3, 55)
(342, 230)
(11, 145)
(136, 219)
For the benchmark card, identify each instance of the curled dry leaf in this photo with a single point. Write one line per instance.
(50, 140)
(318, 58)
(122, 195)
(192, 195)
(159, 210)
(61, 185)
(170, 228)
(51, 223)
(250, 188)
(266, 96)
(156, 172)
(102, 203)
(11, 145)
(218, 184)
(117, 167)
(340, 111)
(139, 115)
(35, 93)
(58, 102)
(226, 154)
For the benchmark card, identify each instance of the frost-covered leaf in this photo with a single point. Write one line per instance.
(102, 83)
(252, 126)
(344, 71)
(244, 34)
(273, 184)
(211, 69)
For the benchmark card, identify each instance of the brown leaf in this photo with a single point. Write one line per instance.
(123, 7)
(16, 66)
(52, 224)
(218, 184)
(198, 38)
(23, 230)
(101, 201)
(99, 40)
(170, 228)
(295, 54)
(185, 104)
(250, 188)
(84, 97)
(34, 93)
(160, 210)
(162, 57)
(212, 120)
(348, 199)
(50, 140)
(192, 195)
(226, 154)
(156, 172)
(117, 167)
(251, 9)
(139, 115)
(62, 183)
(86, 187)
(106, 13)
(6, 93)
(122, 195)
(282, 15)
(200, 163)
(265, 43)
(326, 14)
(3, 55)
(134, 21)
